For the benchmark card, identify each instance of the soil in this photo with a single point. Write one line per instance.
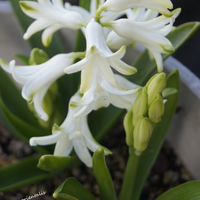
(167, 172)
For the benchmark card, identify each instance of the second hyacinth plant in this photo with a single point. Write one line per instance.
(59, 111)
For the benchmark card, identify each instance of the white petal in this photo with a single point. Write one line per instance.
(160, 6)
(37, 99)
(16, 77)
(158, 59)
(45, 2)
(34, 9)
(47, 75)
(84, 13)
(58, 3)
(63, 147)
(106, 71)
(88, 76)
(122, 67)
(84, 111)
(85, 100)
(81, 149)
(36, 26)
(77, 66)
(126, 28)
(95, 38)
(91, 143)
(48, 34)
(150, 14)
(120, 102)
(115, 41)
(46, 140)
(118, 90)
(124, 83)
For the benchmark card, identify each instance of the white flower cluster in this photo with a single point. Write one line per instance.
(104, 29)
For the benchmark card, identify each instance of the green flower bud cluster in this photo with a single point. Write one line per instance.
(146, 112)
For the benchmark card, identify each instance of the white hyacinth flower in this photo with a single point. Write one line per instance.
(115, 41)
(51, 16)
(98, 59)
(102, 94)
(161, 6)
(150, 34)
(87, 16)
(72, 133)
(36, 79)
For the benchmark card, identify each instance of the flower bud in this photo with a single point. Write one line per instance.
(142, 133)
(155, 86)
(156, 109)
(128, 126)
(140, 105)
(38, 56)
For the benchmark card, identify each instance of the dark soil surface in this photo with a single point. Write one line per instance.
(167, 172)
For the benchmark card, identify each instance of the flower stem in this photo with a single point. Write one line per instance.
(129, 177)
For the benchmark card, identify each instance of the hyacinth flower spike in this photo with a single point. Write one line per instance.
(51, 16)
(115, 41)
(150, 33)
(98, 59)
(36, 79)
(72, 133)
(102, 94)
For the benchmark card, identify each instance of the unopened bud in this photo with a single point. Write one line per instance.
(155, 86)
(156, 109)
(128, 126)
(140, 105)
(38, 56)
(142, 133)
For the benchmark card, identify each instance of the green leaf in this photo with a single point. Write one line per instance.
(189, 190)
(102, 175)
(53, 164)
(71, 189)
(138, 167)
(21, 174)
(13, 100)
(24, 58)
(23, 130)
(35, 41)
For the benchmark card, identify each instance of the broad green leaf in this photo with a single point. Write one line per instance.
(53, 164)
(35, 41)
(21, 174)
(102, 175)
(138, 167)
(24, 58)
(189, 190)
(71, 189)
(23, 130)
(13, 99)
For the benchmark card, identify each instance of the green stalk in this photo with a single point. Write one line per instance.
(129, 177)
